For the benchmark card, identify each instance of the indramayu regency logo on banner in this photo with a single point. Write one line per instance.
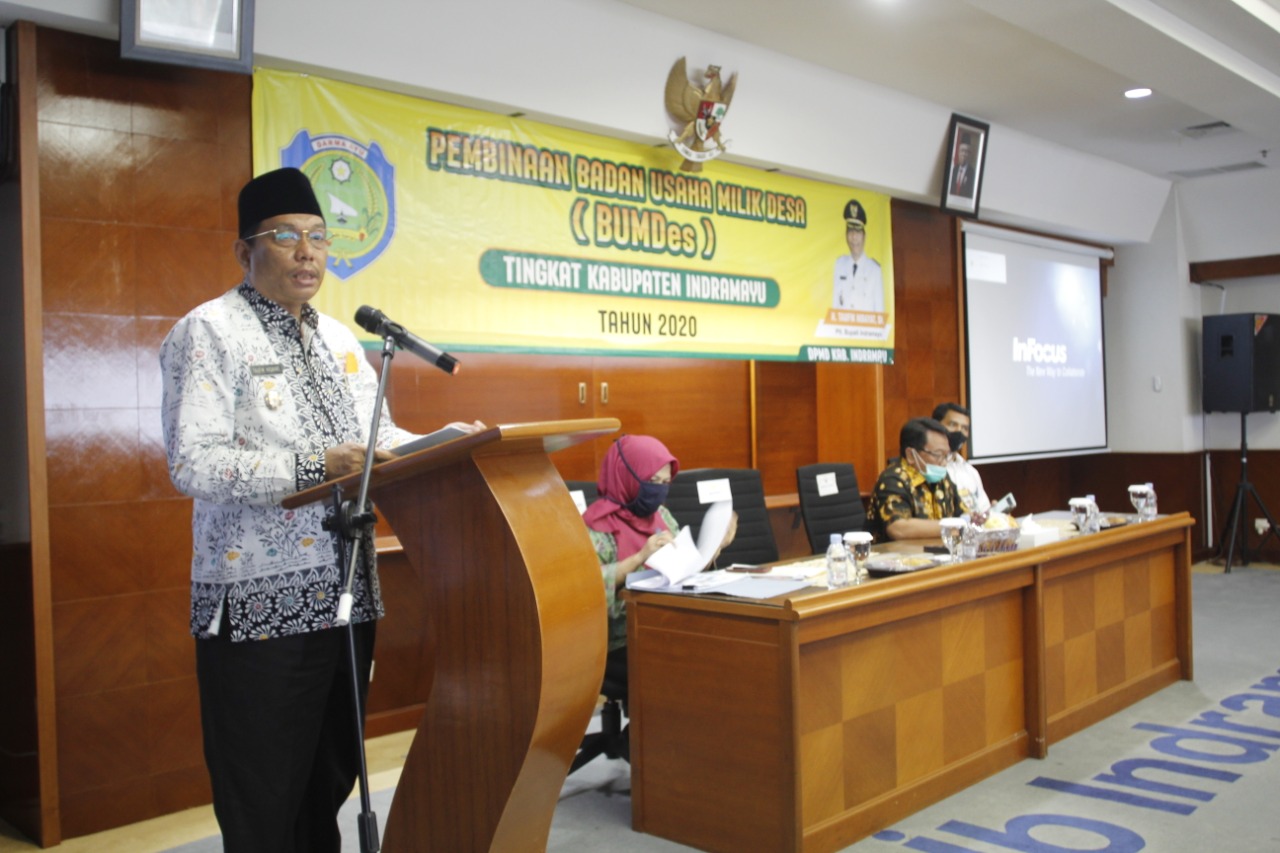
(356, 187)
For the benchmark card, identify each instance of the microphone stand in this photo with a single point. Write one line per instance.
(353, 523)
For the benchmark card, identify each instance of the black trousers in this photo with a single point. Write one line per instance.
(280, 737)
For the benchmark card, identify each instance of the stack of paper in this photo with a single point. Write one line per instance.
(678, 566)
(802, 569)
(722, 581)
(681, 558)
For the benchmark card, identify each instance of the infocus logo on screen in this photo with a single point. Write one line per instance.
(1033, 350)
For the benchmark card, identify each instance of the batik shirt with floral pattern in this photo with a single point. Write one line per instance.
(902, 492)
(607, 552)
(252, 398)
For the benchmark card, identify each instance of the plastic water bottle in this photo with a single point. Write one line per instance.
(837, 563)
(969, 540)
(1149, 507)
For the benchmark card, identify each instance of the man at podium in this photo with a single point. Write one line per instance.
(263, 397)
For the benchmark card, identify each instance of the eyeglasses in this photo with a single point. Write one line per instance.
(935, 455)
(287, 238)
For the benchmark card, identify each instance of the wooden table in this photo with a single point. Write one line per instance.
(807, 722)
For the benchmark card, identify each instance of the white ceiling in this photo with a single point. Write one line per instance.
(1054, 69)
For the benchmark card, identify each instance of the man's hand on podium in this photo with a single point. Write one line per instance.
(348, 458)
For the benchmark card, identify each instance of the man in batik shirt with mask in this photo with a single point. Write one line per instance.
(914, 492)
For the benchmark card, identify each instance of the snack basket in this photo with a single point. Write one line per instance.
(998, 540)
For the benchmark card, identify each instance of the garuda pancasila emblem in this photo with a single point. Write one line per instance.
(699, 111)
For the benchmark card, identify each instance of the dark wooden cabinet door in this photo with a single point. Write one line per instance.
(699, 408)
(497, 388)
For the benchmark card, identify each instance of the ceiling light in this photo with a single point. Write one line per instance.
(1154, 15)
(1139, 92)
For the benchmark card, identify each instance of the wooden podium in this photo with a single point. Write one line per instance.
(516, 632)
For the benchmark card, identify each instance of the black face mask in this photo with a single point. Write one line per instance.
(956, 440)
(651, 496)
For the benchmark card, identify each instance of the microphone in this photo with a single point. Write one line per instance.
(375, 322)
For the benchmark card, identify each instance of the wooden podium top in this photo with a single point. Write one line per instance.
(542, 436)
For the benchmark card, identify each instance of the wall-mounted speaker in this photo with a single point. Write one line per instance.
(1241, 363)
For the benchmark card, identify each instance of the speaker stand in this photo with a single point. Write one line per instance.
(1239, 508)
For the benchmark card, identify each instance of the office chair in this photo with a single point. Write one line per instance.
(839, 512)
(613, 740)
(754, 542)
(590, 490)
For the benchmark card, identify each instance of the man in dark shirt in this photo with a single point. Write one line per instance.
(914, 492)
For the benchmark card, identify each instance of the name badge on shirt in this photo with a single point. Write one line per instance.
(266, 369)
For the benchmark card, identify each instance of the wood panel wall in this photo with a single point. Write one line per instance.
(1046, 484)
(139, 166)
(927, 368)
(28, 780)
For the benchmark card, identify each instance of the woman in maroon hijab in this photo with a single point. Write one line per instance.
(628, 522)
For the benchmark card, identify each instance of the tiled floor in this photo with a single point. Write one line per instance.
(385, 756)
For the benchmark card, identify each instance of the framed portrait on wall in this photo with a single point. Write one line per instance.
(966, 157)
(215, 34)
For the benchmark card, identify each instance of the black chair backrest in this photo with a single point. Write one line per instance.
(590, 490)
(838, 512)
(754, 542)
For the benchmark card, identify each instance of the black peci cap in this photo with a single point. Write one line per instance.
(274, 193)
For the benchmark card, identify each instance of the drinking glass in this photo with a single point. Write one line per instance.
(1081, 510)
(952, 531)
(1138, 496)
(859, 545)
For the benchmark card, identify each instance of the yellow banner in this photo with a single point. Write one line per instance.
(482, 232)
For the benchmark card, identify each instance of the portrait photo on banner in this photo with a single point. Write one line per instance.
(966, 156)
